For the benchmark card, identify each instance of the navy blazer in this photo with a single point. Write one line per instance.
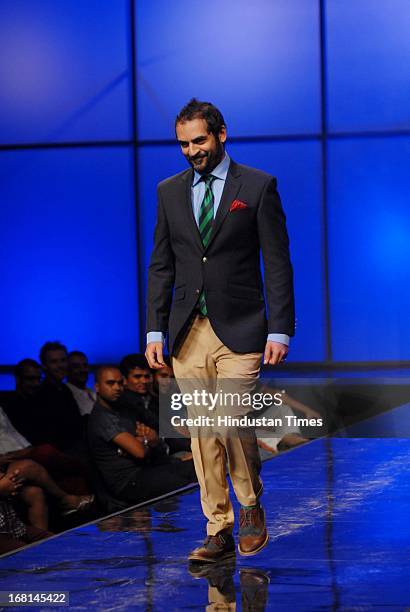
(228, 269)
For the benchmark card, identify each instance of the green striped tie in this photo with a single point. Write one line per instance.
(205, 221)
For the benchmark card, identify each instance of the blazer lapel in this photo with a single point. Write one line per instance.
(232, 185)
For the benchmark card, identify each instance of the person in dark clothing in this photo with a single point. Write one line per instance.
(137, 397)
(21, 405)
(27, 374)
(59, 421)
(124, 451)
(24, 411)
(45, 412)
(139, 402)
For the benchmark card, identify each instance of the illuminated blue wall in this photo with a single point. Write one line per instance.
(316, 93)
(369, 256)
(68, 251)
(259, 62)
(65, 71)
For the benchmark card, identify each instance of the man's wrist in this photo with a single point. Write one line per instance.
(282, 338)
(152, 438)
(146, 446)
(155, 336)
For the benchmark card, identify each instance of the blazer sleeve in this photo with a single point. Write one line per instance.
(161, 274)
(278, 273)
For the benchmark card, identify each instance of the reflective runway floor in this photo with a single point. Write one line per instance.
(338, 518)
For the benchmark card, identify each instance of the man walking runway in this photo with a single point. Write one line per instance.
(205, 291)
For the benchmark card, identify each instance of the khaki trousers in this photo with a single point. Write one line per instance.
(205, 362)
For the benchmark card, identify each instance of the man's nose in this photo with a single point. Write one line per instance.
(193, 149)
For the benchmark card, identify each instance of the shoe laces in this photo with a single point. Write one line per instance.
(216, 539)
(246, 517)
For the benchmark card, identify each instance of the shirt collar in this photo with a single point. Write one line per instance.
(220, 171)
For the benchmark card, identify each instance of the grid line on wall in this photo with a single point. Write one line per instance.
(347, 135)
(324, 184)
(138, 225)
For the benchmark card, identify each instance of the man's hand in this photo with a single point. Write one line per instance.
(186, 457)
(275, 352)
(154, 355)
(143, 431)
(10, 483)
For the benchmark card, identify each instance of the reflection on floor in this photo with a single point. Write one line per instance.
(340, 540)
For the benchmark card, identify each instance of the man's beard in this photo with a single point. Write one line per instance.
(213, 159)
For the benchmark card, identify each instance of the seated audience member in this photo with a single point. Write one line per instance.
(27, 374)
(137, 396)
(59, 421)
(70, 473)
(139, 401)
(125, 451)
(77, 378)
(22, 406)
(27, 482)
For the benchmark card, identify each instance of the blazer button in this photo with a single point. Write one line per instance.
(204, 259)
(197, 291)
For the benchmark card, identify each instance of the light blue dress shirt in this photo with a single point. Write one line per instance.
(198, 192)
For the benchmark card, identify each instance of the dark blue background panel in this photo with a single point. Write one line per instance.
(368, 46)
(297, 166)
(258, 63)
(64, 72)
(369, 229)
(68, 252)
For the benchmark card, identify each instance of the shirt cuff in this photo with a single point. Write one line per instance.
(283, 338)
(155, 336)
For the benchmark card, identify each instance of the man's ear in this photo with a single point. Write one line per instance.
(97, 387)
(222, 135)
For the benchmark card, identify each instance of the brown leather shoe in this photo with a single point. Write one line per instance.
(253, 535)
(214, 548)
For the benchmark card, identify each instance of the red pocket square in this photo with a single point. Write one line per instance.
(237, 205)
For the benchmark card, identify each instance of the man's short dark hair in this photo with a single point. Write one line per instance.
(196, 109)
(23, 364)
(76, 354)
(103, 368)
(51, 346)
(130, 362)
